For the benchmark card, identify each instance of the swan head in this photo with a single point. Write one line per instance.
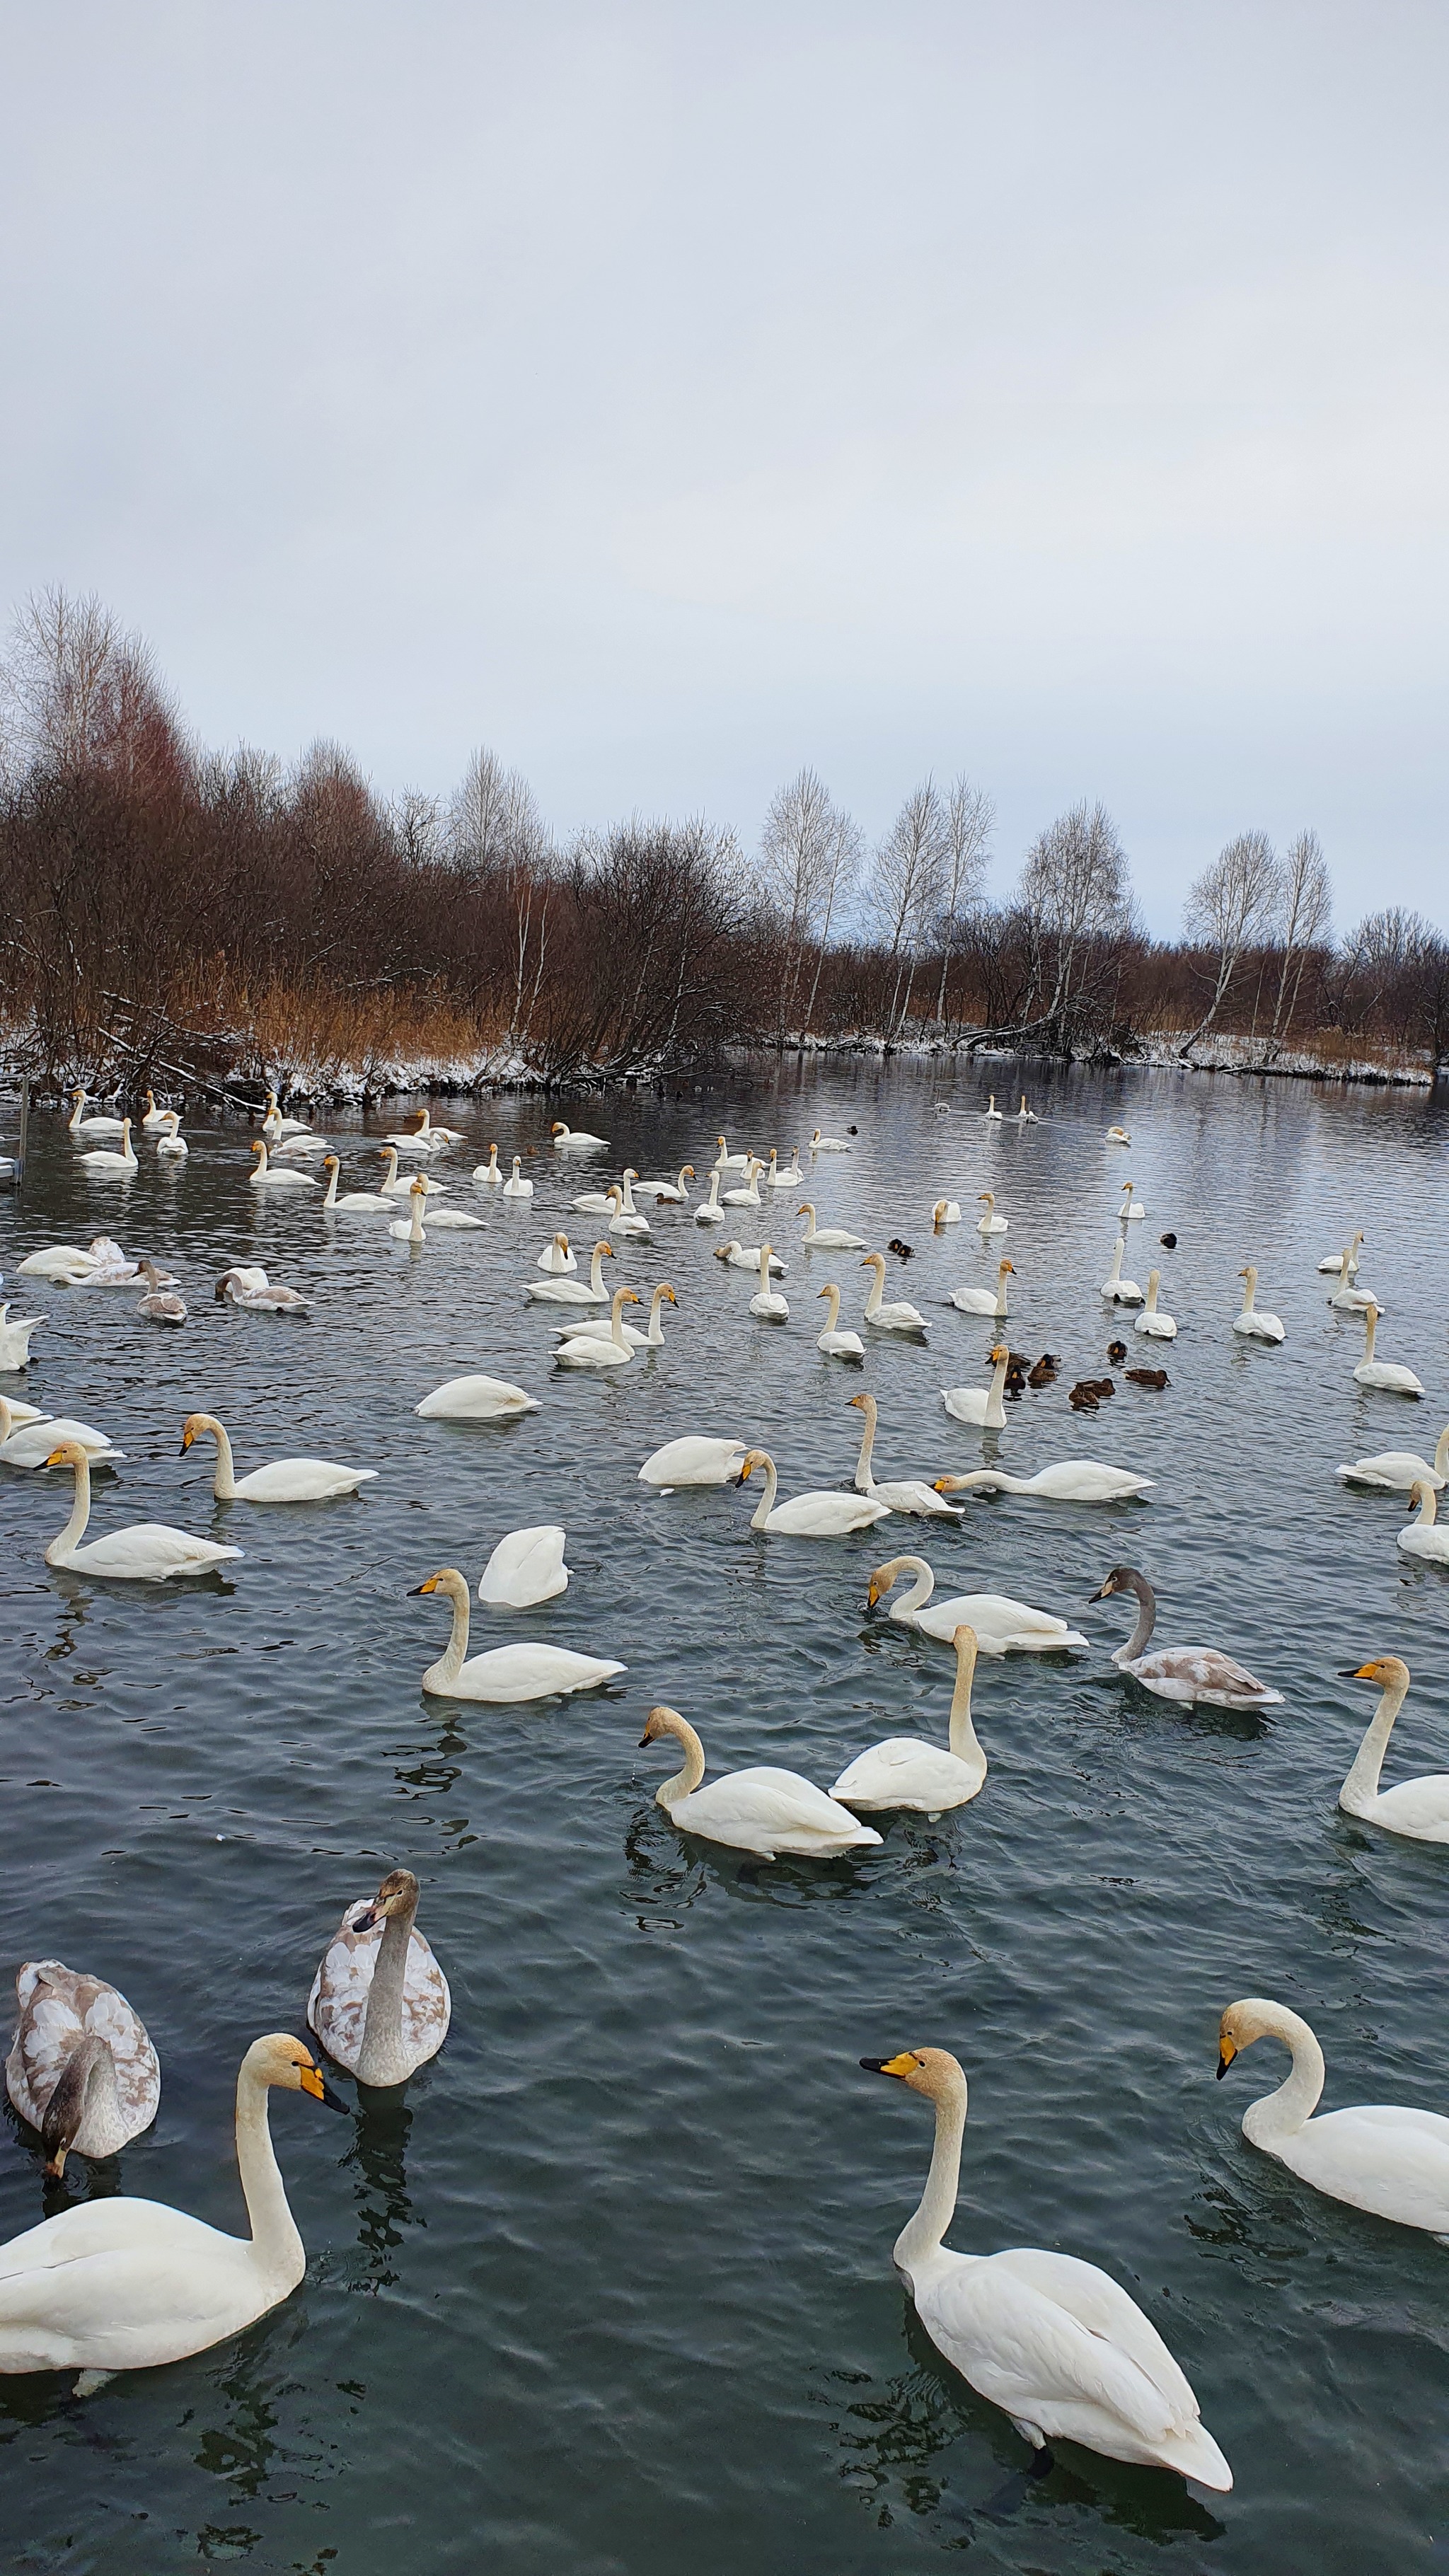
(874, 1261)
(448, 1581)
(932, 2071)
(282, 2061)
(1006, 1270)
(1389, 1671)
(193, 1427)
(558, 1128)
(1123, 1578)
(665, 1721)
(829, 1291)
(886, 1576)
(1242, 2023)
(259, 1145)
(863, 1403)
(662, 1291)
(753, 1458)
(987, 1198)
(398, 1894)
(67, 1453)
(995, 1357)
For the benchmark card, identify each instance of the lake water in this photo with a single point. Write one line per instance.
(609, 2287)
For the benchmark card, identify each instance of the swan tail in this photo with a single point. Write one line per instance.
(1194, 2454)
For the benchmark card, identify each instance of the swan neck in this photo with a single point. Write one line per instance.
(331, 1198)
(1370, 1326)
(767, 1498)
(923, 1584)
(1441, 1453)
(687, 1780)
(596, 1271)
(864, 1477)
(877, 1289)
(962, 1737)
(1359, 1793)
(64, 1547)
(223, 1483)
(921, 2237)
(832, 1316)
(1281, 2114)
(450, 1662)
(380, 2057)
(1146, 1621)
(276, 2245)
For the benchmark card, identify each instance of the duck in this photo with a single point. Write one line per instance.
(725, 1161)
(573, 1140)
(1117, 1290)
(1130, 1208)
(767, 1303)
(15, 1338)
(574, 1292)
(506, 1675)
(697, 1458)
(813, 1515)
(107, 1166)
(1116, 1352)
(1343, 1266)
(147, 1552)
(265, 1177)
(516, 1187)
(152, 1118)
(172, 1146)
(1157, 1327)
(476, 1399)
(905, 1772)
(946, 1212)
(279, 1125)
(709, 1211)
(835, 1344)
(669, 1193)
(984, 1407)
(249, 1287)
(591, 1327)
(985, 1301)
(1418, 1809)
(624, 1217)
(353, 1202)
(1054, 2341)
(827, 1238)
(591, 1350)
(1377, 2156)
(1043, 1372)
(747, 1193)
(1250, 1320)
(1157, 1379)
(1196, 1676)
(525, 1568)
(1118, 1136)
(28, 1443)
(1070, 1480)
(77, 1124)
(910, 1496)
(991, 1110)
(1027, 1116)
(989, 1222)
(1386, 1375)
(284, 1480)
(746, 1256)
(81, 2069)
(900, 1317)
(1421, 1539)
(123, 2284)
(379, 2002)
(829, 1144)
(762, 1810)
(1000, 1625)
(396, 1187)
(160, 1305)
(488, 1173)
(557, 1257)
(1399, 1470)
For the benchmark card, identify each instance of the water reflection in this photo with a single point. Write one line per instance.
(377, 2162)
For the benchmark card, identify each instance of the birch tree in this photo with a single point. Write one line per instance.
(906, 890)
(809, 858)
(1074, 904)
(1305, 914)
(970, 821)
(1228, 908)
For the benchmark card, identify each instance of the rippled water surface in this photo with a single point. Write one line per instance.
(609, 2288)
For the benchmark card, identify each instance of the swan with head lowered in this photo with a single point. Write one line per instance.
(767, 1303)
(762, 1810)
(379, 2002)
(250, 1288)
(505, 1675)
(28, 1442)
(1399, 1470)
(15, 1338)
(827, 1238)
(897, 1317)
(65, 1263)
(147, 1552)
(81, 2067)
(1250, 1320)
(525, 1568)
(945, 1212)
(1421, 1540)
(985, 1301)
(122, 2284)
(1053, 2341)
(905, 1772)
(1000, 1625)
(1193, 1675)
(353, 1202)
(835, 1344)
(574, 1292)
(1377, 2156)
(476, 1399)
(1070, 1480)
(284, 1480)
(912, 1496)
(1387, 1375)
(1418, 1808)
(697, 1458)
(982, 1406)
(815, 1515)
(590, 1327)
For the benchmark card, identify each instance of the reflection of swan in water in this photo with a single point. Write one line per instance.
(378, 2166)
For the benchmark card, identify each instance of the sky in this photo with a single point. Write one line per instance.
(668, 396)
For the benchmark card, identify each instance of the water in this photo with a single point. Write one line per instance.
(609, 2288)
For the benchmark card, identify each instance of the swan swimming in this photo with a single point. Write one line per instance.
(1071, 1480)
(762, 1810)
(1387, 1375)
(1157, 1327)
(903, 1771)
(28, 1443)
(284, 1480)
(505, 1675)
(147, 1552)
(559, 1291)
(985, 1301)
(818, 1515)
(1193, 1675)
(911, 1496)
(1379, 2157)
(476, 1399)
(525, 1567)
(1250, 1320)
(1418, 1808)
(982, 1406)
(379, 2002)
(900, 1317)
(835, 1344)
(827, 1238)
(1397, 1470)
(1421, 1539)
(1000, 1625)
(81, 2069)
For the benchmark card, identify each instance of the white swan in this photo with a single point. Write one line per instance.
(379, 2002)
(1398, 1470)
(29, 1443)
(624, 1216)
(266, 1178)
(1387, 1375)
(709, 1211)
(791, 1177)
(452, 1220)
(284, 1480)
(1345, 1295)
(64, 1263)
(695, 1459)
(590, 1327)
(506, 1674)
(725, 1161)
(982, 1406)
(829, 1144)
(1053, 2341)
(279, 1125)
(807, 1515)
(590, 1350)
(1421, 1539)
(250, 1288)
(991, 1110)
(438, 1137)
(105, 1166)
(476, 1399)
(900, 1317)
(1071, 1480)
(394, 1187)
(557, 1256)
(1342, 1265)
(827, 1238)
(912, 1495)
(671, 1193)
(905, 1772)
(15, 1338)
(568, 1140)
(1028, 1115)
(1376, 2156)
(152, 1118)
(355, 1202)
(299, 1149)
(525, 1567)
(81, 2067)
(122, 2284)
(1158, 1328)
(767, 1302)
(1118, 1136)
(748, 1192)
(1130, 1208)
(416, 1140)
(147, 1552)
(837, 1345)
(1000, 1625)
(1192, 1675)
(77, 1124)
(172, 1146)
(489, 1172)
(946, 1212)
(1117, 1290)
(1251, 1320)
(985, 1301)
(746, 1256)
(989, 1222)
(409, 1228)
(762, 1810)
(516, 1187)
(574, 1292)
(1417, 1808)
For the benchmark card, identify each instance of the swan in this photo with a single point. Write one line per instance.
(985, 1301)
(1347, 1300)
(725, 1161)
(15, 1338)
(1421, 1539)
(807, 1515)
(1118, 1136)
(746, 1256)
(395, 1188)
(1053, 2341)
(991, 1110)
(111, 1269)
(265, 1178)
(1417, 1808)
(672, 1193)
(516, 1187)
(767, 1302)
(525, 1567)
(446, 1220)
(837, 1345)
(77, 1124)
(568, 1140)
(489, 1171)
(122, 2284)
(1117, 1290)
(946, 1212)
(1343, 1265)
(748, 1193)
(154, 1119)
(1000, 1625)
(1194, 1675)
(172, 1147)
(147, 1552)
(81, 2067)
(439, 1137)
(905, 1772)
(625, 1217)
(476, 1399)
(1377, 2156)
(1385, 1374)
(1029, 1115)
(1398, 1470)
(355, 1202)
(762, 1810)
(901, 1317)
(279, 1125)
(415, 1140)
(1250, 1320)
(160, 1305)
(989, 1222)
(1158, 1328)
(592, 1349)
(64, 1263)
(285, 1480)
(409, 1228)
(379, 2002)
(106, 1166)
(709, 1211)
(557, 1256)
(910, 1496)
(696, 1459)
(590, 1327)
(791, 1178)
(299, 1148)
(829, 1144)
(984, 1407)
(1071, 1480)
(252, 1289)
(573, 1292)
(506, 1673)
(28, 1444)
(1130, 1207)
(827, 1238)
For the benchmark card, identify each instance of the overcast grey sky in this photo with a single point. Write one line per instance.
(667, 396)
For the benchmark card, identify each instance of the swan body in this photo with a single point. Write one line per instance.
(725, 1161)
(1418, 1809)
(1000, 1625)
(280, 1126)
(1157, 1327)
(1118, 1136)
(835, 1344)
(379, 2002)
(409, 1228)
(506, 1675)
(108, 1166)
(900, 1317)
(1386, 1375)
(15, 1338)
(985, 1301)
(147, 1552)
(696, 1459)
(1376, 2156)
(417, 1140)
(1028, 1116)
(285, 1480)
(1117, 1290)
(1346, 1295)
(989, 1222)
(829, 1144)
(1053, 2341)
(160, 1305)
(525, 1567)
(746, 1256)
(985, 1407)
(396, 1187)
(299, 1148)
(1071, 1480)
(709, 1211)
(1399, 1470)
(1130, 1208)
(991, 1110)
(64, 1263)
(905, 1772)
(807, 1515)
(1343, 1265)
(28, 1443)
(1195, 1676)
(250, 1288)
(572, 1140)
(585, 1350)
(172, 1146)
(767, 1302)
(1421, 1539)
(266, 1178)
(1250, 1320)
(946, 1212)
(355, 1202)
(624, 1217)
(910, 1496)
(77, 1124)
(827, 1238)
(516, 1187)
(81, 2067)
(673, 1193)
(475, 1399)
(590, 1328)
(748, 1192)
(791, 1177)
(574, 1292)
(762, 1810)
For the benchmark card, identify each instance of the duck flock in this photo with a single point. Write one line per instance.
(1058, 2344)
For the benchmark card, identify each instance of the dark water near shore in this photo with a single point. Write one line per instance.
(609, 2288)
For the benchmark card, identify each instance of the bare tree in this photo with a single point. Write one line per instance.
(906, 887)
(809, 855)
(77, 692)
(970, 821)
(846, 858)
(494, 820)
(1229, 907)
(1305, 914)
(1075, 905)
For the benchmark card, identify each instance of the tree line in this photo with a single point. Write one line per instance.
(166, 912)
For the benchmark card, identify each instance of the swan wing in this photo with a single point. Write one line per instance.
(509, 1673)
(766, 1810)
(337, 2004)
(1391, 2160)
(966, 1403)
(1416, 1807)
(697, 1459)
(825, 1515)
(149, 1552)
(301, 1480)
(1002, 1625)
(905, 1772)
(58, 2007)
(474, 1399)
(1200, 1672)
(525, 1567)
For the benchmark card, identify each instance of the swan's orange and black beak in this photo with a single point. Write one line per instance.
(904, 2064)
(430, 1586)
(1227, 2051)
(310, 2078)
